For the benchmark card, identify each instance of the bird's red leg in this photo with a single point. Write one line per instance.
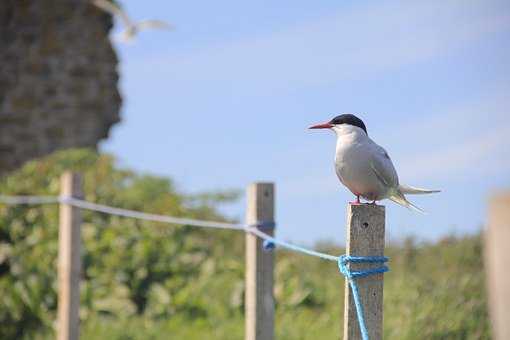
(357, 202)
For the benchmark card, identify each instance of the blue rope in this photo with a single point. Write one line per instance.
(343, 265)
(269, 243)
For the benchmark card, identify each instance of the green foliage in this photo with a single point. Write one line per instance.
(146, 280)
(129, 267)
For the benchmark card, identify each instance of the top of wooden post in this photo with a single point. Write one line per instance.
(365, 230)
(260, 207)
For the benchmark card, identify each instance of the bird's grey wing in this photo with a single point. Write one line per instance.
(382, 166)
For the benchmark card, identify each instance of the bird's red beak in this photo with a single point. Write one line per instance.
(322, 126)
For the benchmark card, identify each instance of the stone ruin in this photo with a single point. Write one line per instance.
(58, 78)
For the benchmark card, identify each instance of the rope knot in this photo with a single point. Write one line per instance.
(344, 260)
(351, 275)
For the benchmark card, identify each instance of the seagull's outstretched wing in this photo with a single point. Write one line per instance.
(114, 10)
(129, 33)
(154, 24)
(131, 28)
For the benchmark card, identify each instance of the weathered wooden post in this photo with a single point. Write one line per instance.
(69, 261)
(365, 237)
(259, 301)
(497, 263)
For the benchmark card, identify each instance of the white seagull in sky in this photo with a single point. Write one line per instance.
(132, 28)
(365, 167)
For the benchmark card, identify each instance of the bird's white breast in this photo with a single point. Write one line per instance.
(353, 164)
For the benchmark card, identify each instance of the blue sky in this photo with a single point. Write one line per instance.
(227, 97)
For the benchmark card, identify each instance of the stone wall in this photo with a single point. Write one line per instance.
(58, 78)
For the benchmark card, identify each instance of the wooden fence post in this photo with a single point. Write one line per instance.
(497, 263)
(69, 261)
(259, 301)
(365, 237)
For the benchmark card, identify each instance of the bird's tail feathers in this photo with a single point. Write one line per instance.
(398, 197)
(407, 189)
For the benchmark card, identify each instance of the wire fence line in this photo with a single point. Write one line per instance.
(86, 205)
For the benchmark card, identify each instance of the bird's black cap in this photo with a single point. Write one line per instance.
(350, 120)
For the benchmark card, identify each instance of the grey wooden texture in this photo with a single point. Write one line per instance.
(365, 237)
(259, 300)
(69, 261)
(497, 262)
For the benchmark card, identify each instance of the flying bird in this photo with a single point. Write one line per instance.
(132, 28)
(364, 167)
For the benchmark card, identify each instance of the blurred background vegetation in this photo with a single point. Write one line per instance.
(144, 280)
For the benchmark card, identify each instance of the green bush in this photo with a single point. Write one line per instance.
(130, 267)
(145, 280)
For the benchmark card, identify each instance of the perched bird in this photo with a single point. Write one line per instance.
(364, 167)
(132, 28)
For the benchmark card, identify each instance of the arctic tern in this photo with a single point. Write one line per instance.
(364, 167)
